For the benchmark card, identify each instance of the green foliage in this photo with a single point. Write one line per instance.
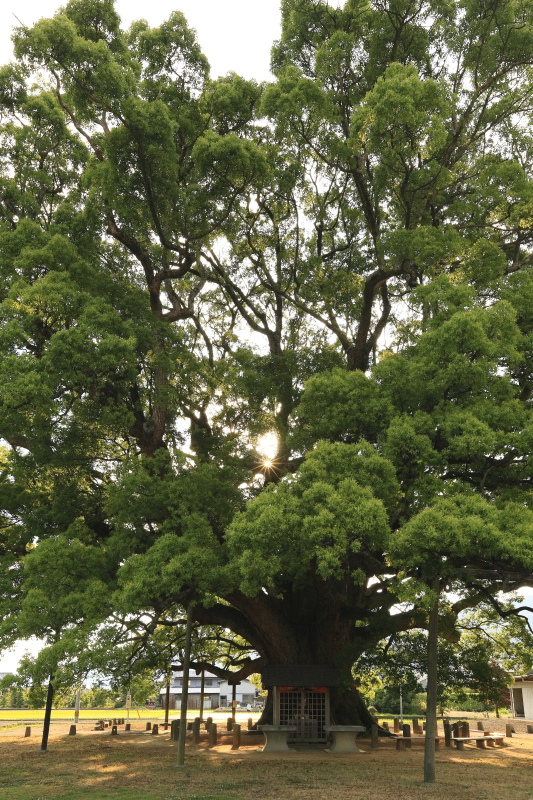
(340, 259)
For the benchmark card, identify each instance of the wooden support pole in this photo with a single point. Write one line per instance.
(167, 702)
(233, 701)
(185, 688)
(202, 690)
(47, 714)
(432, 669)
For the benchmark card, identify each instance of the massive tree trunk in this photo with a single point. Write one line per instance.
(307, 629)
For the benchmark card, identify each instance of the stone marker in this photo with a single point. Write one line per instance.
(229, 723)
(480, 725)
(250, 724)
(406, 731)
(396, 725)
(148, 726)
(196, 731)
(155, 730)
(529, 728)
(72, 731)
(114, 730)
(447, 733)
(212, 735)
(128, 726)
(236, 730)
(208, 723)
(27, 732)
(385, 725)
(416, 725)
(175, 730)
(508, 730)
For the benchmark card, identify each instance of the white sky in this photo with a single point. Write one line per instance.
(235, 35)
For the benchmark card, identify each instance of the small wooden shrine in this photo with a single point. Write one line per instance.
(301, 698)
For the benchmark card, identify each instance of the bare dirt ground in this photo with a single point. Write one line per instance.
(138, 764)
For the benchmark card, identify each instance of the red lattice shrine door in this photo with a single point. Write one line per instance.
(308, 709)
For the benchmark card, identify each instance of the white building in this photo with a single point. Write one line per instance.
(522, 696)
(217, 692)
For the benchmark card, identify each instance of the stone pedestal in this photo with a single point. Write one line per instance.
(344, 738)
(276, 737)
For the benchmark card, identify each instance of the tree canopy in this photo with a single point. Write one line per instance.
(339, 260)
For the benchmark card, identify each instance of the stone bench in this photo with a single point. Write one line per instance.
(276, 737)
(344, 738)
(489, 739)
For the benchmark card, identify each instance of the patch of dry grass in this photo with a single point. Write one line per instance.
(128, 767)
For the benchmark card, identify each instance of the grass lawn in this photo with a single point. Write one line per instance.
(139, 765)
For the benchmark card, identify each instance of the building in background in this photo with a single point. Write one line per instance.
(522, 696)
(217, 692)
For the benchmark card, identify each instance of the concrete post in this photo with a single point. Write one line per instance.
(447, 733)
(213, 735)
(175, 730)
(236, 730)
(406, 731)
(196, 731)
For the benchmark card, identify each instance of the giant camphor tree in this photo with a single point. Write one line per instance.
(340, 259)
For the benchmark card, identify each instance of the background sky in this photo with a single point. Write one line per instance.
(235, 35)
